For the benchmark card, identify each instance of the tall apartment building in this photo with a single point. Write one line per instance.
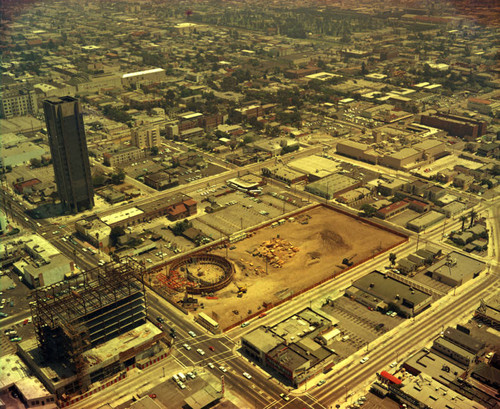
(146, 136)
(68, 146)
(18, 103)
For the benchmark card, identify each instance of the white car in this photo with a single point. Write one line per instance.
(247, 375)
(181, 385)
(223, 369)
(211, 365)
(363, 360)
(200, 351)
(392, 365)
(192, 333)
(186, 347)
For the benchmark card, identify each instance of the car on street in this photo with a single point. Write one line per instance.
(160, 319)
(186, 347)
(192, 333)
(247, 375)
(322, 382)
(223, 369)
(285, 396)
(211, 365)
(200, 351)
(364, 359)
(393, 364)
(243, 325)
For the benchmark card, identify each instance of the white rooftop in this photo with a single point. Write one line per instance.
(121, 215)
(135, 74)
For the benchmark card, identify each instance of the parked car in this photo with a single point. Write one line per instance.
(186, 347)
(285, 396)
(192, 333)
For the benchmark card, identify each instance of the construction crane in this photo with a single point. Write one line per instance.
(241, 290)
(347, 261)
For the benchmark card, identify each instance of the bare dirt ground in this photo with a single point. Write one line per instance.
(326, 239)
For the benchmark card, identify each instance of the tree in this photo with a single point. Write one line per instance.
(154, 150)
(368, 210)
(472, 215)
(392, 258)
(181, 227)
(463, 219)
(118, 178)
(99, 180)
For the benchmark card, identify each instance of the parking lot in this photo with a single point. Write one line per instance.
(242, 211)
(15, 297)
(359, 324)
(421, 277)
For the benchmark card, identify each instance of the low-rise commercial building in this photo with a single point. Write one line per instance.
(332, 186)
(290, 347)
(46, 265)
(456, 269)
(425, 221)
(423, 391)
(455, 352)
(380, 292)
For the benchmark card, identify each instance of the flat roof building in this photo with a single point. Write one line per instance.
(425, 221)
(377, 290)
(292, 347)
(456, 269)
(332, 185)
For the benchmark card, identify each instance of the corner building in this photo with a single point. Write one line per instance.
(68, 146)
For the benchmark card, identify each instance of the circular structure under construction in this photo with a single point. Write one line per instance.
(200, 274)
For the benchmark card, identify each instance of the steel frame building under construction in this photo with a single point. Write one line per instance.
(75, 319)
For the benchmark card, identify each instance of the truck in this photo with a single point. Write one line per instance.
(182, 377)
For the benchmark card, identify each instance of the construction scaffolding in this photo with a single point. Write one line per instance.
(78, 314)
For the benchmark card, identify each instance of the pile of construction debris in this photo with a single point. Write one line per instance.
(276, 251)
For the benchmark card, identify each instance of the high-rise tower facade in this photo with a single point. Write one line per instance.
(68, 146)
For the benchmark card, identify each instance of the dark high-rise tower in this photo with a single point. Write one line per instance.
(68, 146)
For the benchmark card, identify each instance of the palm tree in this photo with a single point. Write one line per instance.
(463, 219)
(472, 216)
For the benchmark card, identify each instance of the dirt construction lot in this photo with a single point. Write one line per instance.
(309, 249)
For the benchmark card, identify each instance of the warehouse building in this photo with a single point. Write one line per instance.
(315, 167)
(425, 221)
(380, 292)
(332, 186)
